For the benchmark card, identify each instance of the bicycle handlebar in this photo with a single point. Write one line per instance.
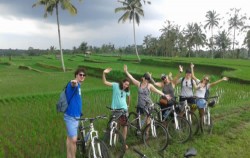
(115, 110)
(92, 119)
(194, 97)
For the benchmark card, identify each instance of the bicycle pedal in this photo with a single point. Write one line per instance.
(138, 132)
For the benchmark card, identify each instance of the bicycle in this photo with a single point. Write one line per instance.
(179, 129)
(89, 141)
(154, 134)
(189, 153)
(190, 116)
(207, 124)
(113, 137)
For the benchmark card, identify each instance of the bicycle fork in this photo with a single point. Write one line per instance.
(153, 129)
(187, 109)
(94, 136)
(207, 116)
(112, 133)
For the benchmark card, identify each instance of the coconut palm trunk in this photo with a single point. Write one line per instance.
(59, 36)
(212, 43)
(136, 51)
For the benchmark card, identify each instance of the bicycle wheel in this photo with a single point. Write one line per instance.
(193, 121)
(80, 144)
(115, 143)
(100, 150)
(207, 125)
(155, 136)
(180, 132)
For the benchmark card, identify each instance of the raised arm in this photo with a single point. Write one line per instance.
(192, 72)
(155, 90)
(158, 84)
(176, 78)
(216, 82)
(134, 81)
(106, 71)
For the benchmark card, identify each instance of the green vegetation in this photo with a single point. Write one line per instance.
(30, 126)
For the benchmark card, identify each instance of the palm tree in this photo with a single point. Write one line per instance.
(236, 22)
(247, 42)
(223, 42)
(189, 34)
(132, 10)
(212, 21)
(50, 5)
(199, 37)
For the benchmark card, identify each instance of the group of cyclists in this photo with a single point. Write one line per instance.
(191, 87)
(146, 85)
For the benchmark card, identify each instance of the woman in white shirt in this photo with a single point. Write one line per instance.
(202, 86)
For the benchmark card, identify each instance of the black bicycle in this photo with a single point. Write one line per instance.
(179, 129)
(189, 153)
(153, 133)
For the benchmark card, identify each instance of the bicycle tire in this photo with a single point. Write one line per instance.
(159, 142)
(117, 146)
(205, 127)
(81, 150)
(182, 134)
(103, 149)
(194, 122)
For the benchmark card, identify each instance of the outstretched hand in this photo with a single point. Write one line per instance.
(125, 67)
(107, 70)
(192, 65)
(225, 79)
(180, 68)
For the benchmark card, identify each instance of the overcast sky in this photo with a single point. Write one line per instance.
(96, 23)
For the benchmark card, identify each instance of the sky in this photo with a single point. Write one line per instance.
(96, 23)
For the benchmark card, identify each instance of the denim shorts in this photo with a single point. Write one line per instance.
(71, 125)
(201, 103)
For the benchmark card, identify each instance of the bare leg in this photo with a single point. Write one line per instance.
(71, 147)
(201, 112)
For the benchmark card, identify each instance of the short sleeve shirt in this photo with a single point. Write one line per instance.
(200, 92)
(186, 87)
(119, 97)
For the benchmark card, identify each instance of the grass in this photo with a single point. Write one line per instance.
(30, 126)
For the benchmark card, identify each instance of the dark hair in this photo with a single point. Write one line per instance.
(80, 69)
(188, 71)
(121, 85)
(163, 77)
(147, 76)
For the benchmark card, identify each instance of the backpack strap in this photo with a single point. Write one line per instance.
(72, 94)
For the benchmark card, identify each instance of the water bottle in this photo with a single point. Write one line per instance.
(166, 113)
(87, 137)
(142, 122)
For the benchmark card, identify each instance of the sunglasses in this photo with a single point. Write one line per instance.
(163, 78)
(186, 83)
(82, 75)
(121, 94)
(206, 79)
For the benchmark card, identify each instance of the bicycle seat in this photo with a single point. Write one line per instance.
(211, 103)
(190, 152)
